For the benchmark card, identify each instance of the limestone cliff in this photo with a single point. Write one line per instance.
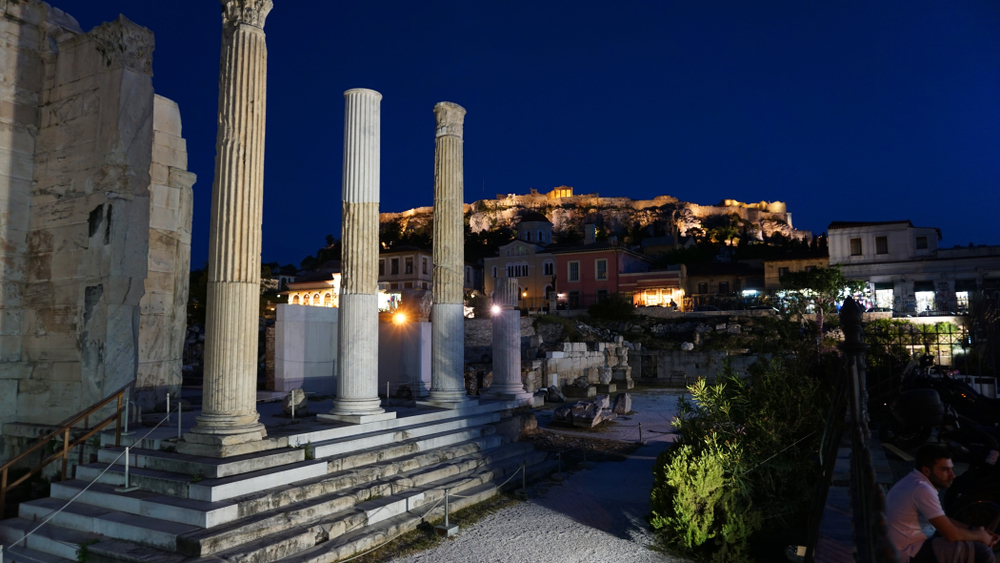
(660, 215)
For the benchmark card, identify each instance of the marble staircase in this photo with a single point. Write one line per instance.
(332, 492)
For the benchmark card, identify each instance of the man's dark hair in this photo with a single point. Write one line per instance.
(928, 454)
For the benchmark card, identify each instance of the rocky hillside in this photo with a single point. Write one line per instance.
(662, 215)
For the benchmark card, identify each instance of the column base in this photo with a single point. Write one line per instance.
(523, 397)
(203, 442)
(454, 405)
(356, 418)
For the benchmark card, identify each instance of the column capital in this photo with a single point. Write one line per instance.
(250, 12)
(450, 119)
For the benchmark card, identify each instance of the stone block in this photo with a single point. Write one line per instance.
(170, 141)
(8, 399)
(159, 304)
(163, 218)
(606, 389)
(166, 116)
(157, 339)
(159, 174)
(16, 164)
(10, 321)
(170, 156)
(50, 348)
(552, 355)
(580, 392)
(161, 260)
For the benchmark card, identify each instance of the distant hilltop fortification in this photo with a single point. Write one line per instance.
(568, 212)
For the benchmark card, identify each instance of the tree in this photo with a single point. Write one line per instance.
(818, 291)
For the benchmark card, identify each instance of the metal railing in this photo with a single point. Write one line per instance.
(64, 431)
(850, 412)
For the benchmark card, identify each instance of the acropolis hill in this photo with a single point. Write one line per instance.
(569, 212)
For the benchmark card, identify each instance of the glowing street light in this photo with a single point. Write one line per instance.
(399, 318)
(495, 309)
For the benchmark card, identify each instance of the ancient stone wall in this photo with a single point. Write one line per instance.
(77, 150)
(163, 319)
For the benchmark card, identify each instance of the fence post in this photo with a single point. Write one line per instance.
(854, 348)
(65, 455)
(118, 421)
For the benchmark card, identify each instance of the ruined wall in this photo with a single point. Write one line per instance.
(163, 320)
(76, 200)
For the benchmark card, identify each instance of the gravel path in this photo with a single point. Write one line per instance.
(596, 515)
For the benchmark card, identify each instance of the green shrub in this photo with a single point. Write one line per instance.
(615, 307)
(744, 456)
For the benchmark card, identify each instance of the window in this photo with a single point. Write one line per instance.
(409, 265)
(527, 236)
(494, 272)
(327, 300)
(855, 247)
(468, 274)
(602, 295)
(574, 272)
(574, 300)
(381, 267)
(782, 272)
(702, 287)
(408, 285)
(541, 236)
(921, 243)
(810, 268)
(517, 270)
(522, 251)
(393, 286)
(548, 268)
(296, 300)
(881, 245)
(601, 269)
(724, 288)
(394, 267)
(424, 265)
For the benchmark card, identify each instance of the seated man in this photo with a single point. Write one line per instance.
(913, 511)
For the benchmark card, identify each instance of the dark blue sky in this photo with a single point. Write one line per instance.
(845, 110)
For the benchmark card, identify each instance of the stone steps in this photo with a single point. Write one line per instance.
(109, 523)
(50, 539)
(209, 490)
(275, 504)
(212, 540)
(208, 515)
(364, 515)
(361, 540)
(24, 555)
(207, 467)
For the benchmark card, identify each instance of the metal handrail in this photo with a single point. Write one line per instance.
(64, 430)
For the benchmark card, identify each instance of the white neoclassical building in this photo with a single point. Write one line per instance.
(907, 272)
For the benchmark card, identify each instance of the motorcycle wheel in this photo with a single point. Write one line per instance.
(903, 437)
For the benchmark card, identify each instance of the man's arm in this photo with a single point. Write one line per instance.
(951, 532)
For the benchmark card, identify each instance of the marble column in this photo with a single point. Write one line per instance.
(507, 341)
(448, 310)
(228, 424)
(357, 339)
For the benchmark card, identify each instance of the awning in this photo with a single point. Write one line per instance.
(923, 286)
(966, 285)
(884, 285)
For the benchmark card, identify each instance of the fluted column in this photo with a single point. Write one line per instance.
(357, 344)
(229, 418)
(506, 340)
(448, 318)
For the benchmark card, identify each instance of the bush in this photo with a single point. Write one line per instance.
(615, 307)
(745, 456)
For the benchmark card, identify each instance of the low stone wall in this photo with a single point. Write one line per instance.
(680, 368)
(479, 332)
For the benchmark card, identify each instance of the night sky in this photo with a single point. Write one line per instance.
(850, 111)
